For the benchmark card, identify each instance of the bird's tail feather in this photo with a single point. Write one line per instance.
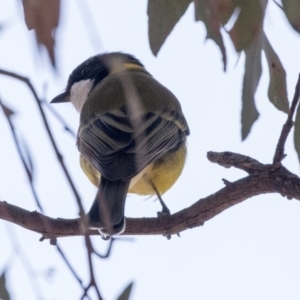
(107, 211)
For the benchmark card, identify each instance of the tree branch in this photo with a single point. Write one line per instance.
(263, 179)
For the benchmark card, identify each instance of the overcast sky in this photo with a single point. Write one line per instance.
(250, 251)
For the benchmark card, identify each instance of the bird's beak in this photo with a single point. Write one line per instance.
(63, 97)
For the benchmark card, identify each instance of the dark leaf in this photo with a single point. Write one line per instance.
(162, 17)
(248, 24)
(4, 294)
(207, 11)
(252, 75)
(126, 293)
(43, 17)
(291, 9)
(277, 91)
(225, 10)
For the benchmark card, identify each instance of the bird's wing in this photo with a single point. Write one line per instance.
(123, 141)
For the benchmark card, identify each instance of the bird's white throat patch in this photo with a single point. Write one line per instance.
(79, 93)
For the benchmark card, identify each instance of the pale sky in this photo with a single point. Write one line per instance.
(250, 251)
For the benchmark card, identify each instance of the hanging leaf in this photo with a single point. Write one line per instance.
(297, 132)
(43, 17)
(207, 12)
(248, 23)
(277, 91)
(291, 9)
(252, 75)
(225, 10)
(4, 294)
(126, 293)
(162, 17)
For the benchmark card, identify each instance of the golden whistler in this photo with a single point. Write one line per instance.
(131, 137)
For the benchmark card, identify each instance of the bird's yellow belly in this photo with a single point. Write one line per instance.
(163, 173)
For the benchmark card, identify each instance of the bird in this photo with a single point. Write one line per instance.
(132, 134)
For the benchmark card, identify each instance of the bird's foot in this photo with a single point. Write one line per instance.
(165, 210)
(104, 236)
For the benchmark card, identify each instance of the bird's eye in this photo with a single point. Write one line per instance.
(84, 71)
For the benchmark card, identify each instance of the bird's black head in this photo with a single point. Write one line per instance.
(97, 67)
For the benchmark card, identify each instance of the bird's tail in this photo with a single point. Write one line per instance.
(107, 211)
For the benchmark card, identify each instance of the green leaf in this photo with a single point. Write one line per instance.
(163, 15)
(207, 12)
(4, 294)
(277, 91)
(252, 75)
(291, 9)
(126, 293)
(248, 24)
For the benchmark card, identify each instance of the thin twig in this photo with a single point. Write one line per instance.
(106, 255)
(93, 282)
(279, 153)
(25, 262)
(70, 267)
(59, 118)
(50, 135)
(112, 240)
(60, 159)
(25, 166)
(279, 5)
(33, 190)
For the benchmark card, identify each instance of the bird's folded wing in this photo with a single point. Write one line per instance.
(120, 145)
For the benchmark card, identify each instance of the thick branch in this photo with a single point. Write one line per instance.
(263, 180)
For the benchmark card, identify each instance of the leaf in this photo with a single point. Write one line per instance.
(252, 75)
(207, 11)
(43, 17)
(291, 9)
(277, 91)
(4, 294)
(248, 23)
(225, 10)
(126, 293)
(162, 17)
